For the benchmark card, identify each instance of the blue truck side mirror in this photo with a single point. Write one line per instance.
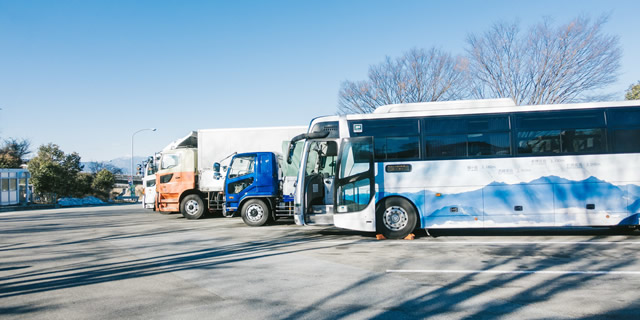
(216, 170)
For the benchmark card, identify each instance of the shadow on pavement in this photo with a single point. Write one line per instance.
(435, 300)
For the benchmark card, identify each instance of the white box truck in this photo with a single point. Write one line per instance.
(186, 181)
(148, 172)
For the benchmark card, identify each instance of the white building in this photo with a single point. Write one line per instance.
(14, 186)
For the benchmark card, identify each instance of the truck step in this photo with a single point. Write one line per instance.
(284, 209)
(284, 213)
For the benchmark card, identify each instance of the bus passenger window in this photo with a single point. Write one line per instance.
(531, 142)
(561, 132)
(454, 146)
(488, 144)
(467, 137)
(397, 148)
(625, 129)
(394, 139)
(582, 140)
(626, 140)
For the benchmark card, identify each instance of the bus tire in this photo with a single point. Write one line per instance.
(255, 213)
(192, 207)
(396, 218)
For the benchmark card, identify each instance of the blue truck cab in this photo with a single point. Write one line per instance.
(253, 187)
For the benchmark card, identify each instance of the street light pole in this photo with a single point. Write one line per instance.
(131, 173)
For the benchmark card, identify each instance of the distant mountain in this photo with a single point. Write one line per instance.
(123, 163)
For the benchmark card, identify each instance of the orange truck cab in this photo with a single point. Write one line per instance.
(176, 178)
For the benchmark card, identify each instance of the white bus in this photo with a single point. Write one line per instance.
(472, 164)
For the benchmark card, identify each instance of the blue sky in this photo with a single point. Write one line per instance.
(87, 74)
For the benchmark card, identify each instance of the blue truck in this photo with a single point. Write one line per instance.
(260, 186)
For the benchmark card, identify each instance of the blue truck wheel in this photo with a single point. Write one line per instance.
(255, 213)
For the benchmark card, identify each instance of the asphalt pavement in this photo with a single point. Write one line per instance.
(128, 262)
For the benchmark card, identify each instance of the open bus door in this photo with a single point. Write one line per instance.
(354, 190)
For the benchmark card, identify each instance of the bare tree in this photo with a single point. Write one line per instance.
(417, 76)
(97, 166)
(546, 65)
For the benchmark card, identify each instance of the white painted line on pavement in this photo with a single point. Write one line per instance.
(480, 242)
(517, 271)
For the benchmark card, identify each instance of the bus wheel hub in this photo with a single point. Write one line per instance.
(395, 218)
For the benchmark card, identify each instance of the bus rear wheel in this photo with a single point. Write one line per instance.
(395, 218)
(192, 207)
(255, 213)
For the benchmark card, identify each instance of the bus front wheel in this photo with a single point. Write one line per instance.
(396, 218)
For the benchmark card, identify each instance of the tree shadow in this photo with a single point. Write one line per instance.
(36, 282)
(454, 296)
(427, 298)
(535, 232)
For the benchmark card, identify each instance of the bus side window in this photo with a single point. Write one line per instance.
(583, 140)
(547, 141)
(561, 132)
(626, 140)
(467, 136)
(394, 139)
(624, 126)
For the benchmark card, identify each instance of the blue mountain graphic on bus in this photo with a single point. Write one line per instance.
(460, 210)
(541, 196)
(633, 190)
(635, 206)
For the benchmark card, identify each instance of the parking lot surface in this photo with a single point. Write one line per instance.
(127, 262)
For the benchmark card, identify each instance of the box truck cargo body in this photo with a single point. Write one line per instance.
(186, 180)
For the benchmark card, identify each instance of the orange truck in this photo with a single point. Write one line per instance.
(186, 180)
